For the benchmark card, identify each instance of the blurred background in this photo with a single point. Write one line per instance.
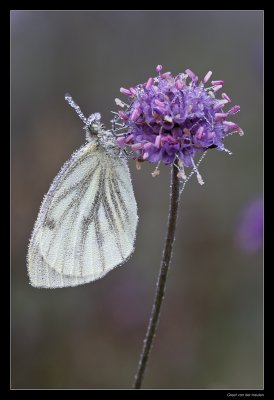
(211, 329)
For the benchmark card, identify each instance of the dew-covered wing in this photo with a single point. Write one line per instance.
(87, 222)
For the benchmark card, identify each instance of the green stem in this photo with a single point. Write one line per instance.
(162, 279)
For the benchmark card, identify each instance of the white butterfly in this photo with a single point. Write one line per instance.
(87, 222)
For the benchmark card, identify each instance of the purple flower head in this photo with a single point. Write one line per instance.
(250, 230)
(175, 117)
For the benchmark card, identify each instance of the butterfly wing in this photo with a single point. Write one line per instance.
(87, 222)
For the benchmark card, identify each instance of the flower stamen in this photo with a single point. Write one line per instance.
(156, 172)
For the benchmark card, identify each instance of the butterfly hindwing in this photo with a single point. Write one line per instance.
(87, 221)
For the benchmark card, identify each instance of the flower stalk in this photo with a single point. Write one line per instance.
(162, 277)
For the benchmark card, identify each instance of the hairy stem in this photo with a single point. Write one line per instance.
(162, 279)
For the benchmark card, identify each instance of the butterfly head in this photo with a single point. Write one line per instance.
(93, 123)
(95, 130)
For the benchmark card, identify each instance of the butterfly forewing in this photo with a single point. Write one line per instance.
(87, 222)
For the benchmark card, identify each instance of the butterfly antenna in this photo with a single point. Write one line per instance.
(69, 99)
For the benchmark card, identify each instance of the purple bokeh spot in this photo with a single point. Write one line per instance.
(250, 230)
